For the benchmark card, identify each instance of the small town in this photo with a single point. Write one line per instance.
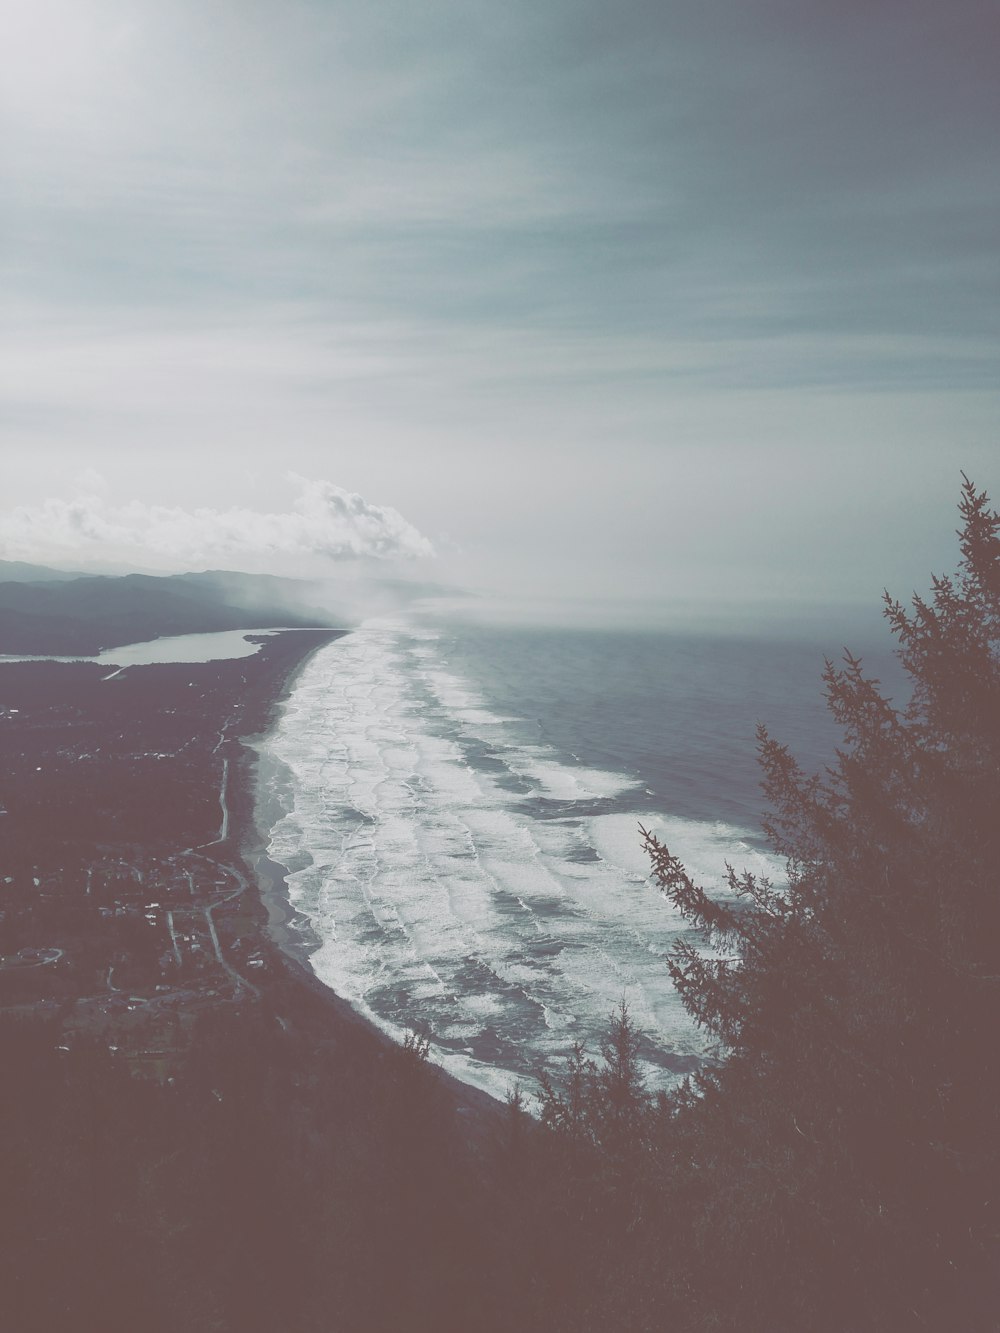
(135, 913)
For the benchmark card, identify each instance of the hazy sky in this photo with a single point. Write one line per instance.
(634, 300)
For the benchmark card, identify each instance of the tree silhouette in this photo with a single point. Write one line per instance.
(600, 1104)
(857, 1107)
(835, 1168)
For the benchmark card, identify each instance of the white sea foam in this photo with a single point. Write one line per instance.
(452, 894)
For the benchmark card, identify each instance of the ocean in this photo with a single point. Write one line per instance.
(462, 809)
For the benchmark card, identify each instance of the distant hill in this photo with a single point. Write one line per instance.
(18, 571)
(66, 614)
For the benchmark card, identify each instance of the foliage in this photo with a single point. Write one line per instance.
(417, 1046)
(289, 1178)
(600, 1104)
(837, 1169)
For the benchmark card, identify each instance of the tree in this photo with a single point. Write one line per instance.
(600, 1105)
(854, 1120)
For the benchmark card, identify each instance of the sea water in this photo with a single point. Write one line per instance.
(462, 828)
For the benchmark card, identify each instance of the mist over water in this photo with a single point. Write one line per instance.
(462, 829)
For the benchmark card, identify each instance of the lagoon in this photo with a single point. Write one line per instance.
(217, 646)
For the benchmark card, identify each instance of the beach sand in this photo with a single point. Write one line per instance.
(257, 806)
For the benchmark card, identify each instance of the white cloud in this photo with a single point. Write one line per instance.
(324, 521)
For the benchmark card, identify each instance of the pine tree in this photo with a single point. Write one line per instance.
(855, 1118)
(604, 1104)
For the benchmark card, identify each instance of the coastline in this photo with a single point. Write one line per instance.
(286, 927)
(287, 932)
(260, 810)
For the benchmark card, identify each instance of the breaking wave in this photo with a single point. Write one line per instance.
(463, 878)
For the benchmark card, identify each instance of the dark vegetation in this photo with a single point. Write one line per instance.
(298, 1174)
(837, 1168)
(833, 1168)
(68, 615)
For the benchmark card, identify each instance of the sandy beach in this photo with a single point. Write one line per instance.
(259, 808)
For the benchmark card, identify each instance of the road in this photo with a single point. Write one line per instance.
(223, 806)
(15, 960)
(173, 935)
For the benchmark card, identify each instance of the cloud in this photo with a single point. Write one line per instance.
(325, 521)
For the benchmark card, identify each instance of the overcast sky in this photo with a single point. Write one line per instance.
(641, 300)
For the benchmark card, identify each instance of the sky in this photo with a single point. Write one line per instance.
(582, 304)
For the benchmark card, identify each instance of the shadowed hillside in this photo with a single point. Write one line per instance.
(86, 614)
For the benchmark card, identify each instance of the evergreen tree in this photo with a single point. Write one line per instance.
(854, 1122)
(600, 1104)
(836, 1168)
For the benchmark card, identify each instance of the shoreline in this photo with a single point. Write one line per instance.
(288, 944)
(287, 931)
(296, 943)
